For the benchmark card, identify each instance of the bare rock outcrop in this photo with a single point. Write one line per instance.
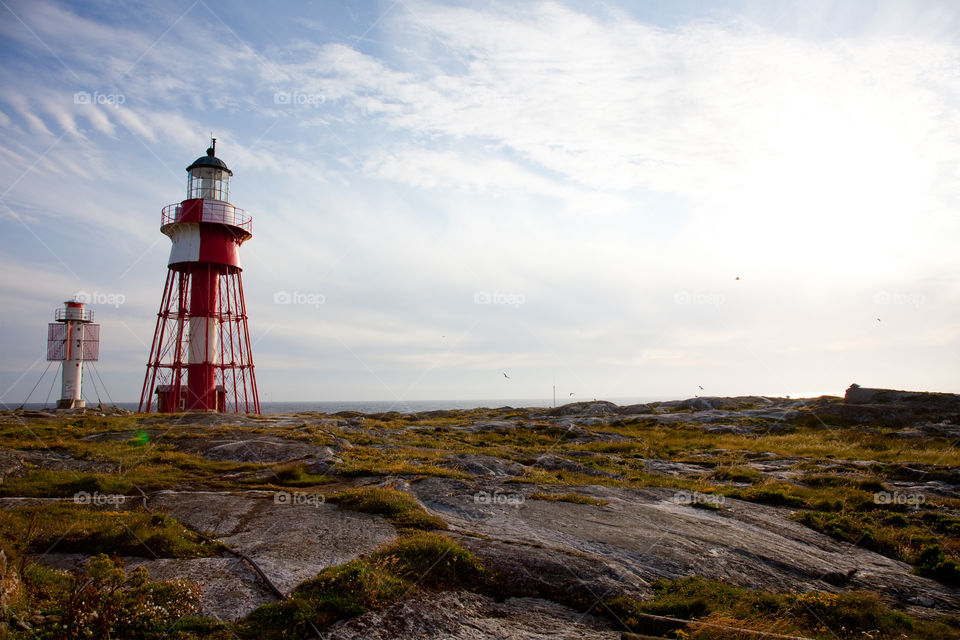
(892, 407)
(292, 536)
(645, 534)
(926, 400)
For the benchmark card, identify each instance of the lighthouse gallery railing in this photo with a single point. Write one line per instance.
(213, 211)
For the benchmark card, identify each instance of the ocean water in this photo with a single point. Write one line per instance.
(380, 406)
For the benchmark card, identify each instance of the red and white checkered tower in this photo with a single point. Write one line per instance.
(202, 333)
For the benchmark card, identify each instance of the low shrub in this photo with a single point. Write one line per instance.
(107, 602)
(910, 537)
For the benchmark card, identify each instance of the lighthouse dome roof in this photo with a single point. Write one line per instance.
(210, 160)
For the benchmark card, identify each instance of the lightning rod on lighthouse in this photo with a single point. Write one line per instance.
(72, 339)
(200, 357)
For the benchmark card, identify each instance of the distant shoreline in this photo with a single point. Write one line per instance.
(402, 406)
(379, 406)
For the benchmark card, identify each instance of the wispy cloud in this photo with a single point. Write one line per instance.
(617, 169)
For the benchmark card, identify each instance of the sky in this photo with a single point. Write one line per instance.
(654, 199)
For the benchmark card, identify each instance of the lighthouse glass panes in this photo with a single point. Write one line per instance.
(209, 183)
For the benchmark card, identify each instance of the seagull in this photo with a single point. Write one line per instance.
(572, 393)
(701, 387)
(505, 375)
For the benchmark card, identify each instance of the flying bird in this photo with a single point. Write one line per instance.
(878, 319)
(505, 375)
(572, 393)
(701, 387)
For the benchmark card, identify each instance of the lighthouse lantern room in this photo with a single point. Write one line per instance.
(200, 357)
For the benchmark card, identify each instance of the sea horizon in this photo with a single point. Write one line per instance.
(404, 406)
(378, 406)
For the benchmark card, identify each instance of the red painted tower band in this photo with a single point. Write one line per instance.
(200, 357)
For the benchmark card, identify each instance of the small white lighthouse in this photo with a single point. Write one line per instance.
(72, 339)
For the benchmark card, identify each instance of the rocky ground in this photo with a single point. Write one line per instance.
(566, 503)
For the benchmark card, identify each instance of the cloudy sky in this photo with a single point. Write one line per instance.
(622, 199)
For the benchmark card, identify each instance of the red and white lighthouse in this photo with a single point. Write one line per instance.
(200, 357)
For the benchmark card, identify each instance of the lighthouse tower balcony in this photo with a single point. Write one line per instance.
(211, 211)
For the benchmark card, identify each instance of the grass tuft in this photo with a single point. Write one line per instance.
(929, 541)
(416, 560)
(400, 508)
(576, 498)
(296, 475)
(815, 614)
(737, 474)
(73, 528)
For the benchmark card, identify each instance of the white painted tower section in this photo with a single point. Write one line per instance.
(204, 341)
(71, 393)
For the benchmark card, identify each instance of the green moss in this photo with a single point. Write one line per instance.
(781, 494)
(200, 628)
(825, 480)
(296, 475)
(576, 498)
(403, 460)
(814, 614)
(926, 540)
(873, 485)
(400, 508)
(46, 483)
(75, 528)
(418, 560)
(932, 562)
(737, 474)
(430, 559)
